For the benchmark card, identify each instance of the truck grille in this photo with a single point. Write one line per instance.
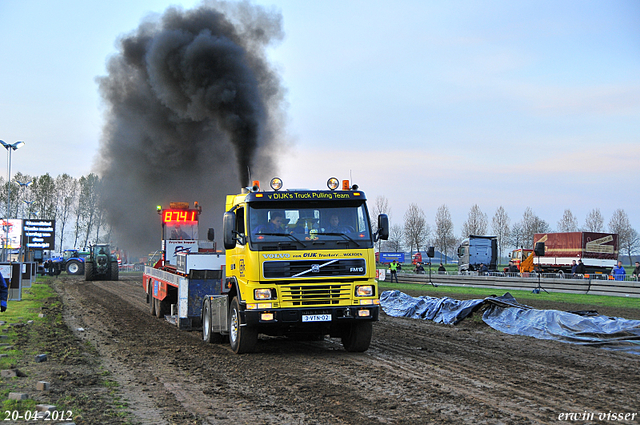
(312, 295)
(314, 268)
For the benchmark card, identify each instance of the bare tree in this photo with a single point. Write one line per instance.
(416, 229)
(88, 205)
(627, 236)
(380, 206)
(516, 235)
(66, 195)
(444, 238)
(594, 221)
(44, 197)
(21, 195)
(568, 223)
(532, 224)
(476, 223)
(630, 244)
(396, 234)
(500, 226)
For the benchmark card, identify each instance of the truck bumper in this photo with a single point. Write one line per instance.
(309, 317)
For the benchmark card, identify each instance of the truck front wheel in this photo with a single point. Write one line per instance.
(242, 339)
(357, 337)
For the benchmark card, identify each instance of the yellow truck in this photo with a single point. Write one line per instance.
(299, 263)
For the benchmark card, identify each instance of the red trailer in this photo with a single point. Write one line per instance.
(598, 252)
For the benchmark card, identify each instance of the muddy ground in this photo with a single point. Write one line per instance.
(414, 373)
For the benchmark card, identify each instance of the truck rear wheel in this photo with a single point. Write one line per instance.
(163, 307)
(74, 267)
(207, 332)
(242, 339)
(150, 299)
(357, 337)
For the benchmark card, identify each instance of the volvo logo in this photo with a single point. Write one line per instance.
(274, 256)
(315, 268)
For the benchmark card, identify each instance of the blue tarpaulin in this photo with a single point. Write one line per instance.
(441, 310)
(505, 314)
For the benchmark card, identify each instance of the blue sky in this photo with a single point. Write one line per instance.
(519, 104)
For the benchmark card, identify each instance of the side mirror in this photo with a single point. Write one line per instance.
(210, 234)
(228, 226)
(383, 227)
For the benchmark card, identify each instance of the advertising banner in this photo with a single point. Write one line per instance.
(388, 257)
(13, 229)
(39, 234)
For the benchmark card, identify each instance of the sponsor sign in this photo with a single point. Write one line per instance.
(388, 257)
(39, 234)
(320, 195)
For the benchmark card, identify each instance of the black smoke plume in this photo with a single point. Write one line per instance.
(191, 104)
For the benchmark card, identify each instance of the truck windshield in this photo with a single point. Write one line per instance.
(321, 226)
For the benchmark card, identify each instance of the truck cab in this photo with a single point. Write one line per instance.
(476, 250)
(301, 263)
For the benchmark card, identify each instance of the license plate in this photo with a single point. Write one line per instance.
(316, 318)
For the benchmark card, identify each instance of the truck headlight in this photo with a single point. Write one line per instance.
(364, 291)
(263, 294)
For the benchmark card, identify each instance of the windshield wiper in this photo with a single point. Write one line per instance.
(284, 234)
(343, 235)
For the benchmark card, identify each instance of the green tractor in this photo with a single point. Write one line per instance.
(101, 264)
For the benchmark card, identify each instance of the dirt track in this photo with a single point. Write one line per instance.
(414, 372)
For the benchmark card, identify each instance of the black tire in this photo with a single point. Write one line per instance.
(357, 337)
(207, 332)
(74, 267)
(163, 307)
(151, 300)
(242, 339)
(89, 273)
(57, 269)
(115, 270)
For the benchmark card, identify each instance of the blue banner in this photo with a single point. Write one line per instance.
(388, 257)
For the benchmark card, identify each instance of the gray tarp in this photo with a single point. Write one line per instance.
(505, 314)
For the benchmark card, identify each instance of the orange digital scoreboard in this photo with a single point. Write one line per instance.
(180, 216)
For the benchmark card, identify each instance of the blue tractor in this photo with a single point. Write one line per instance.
(72, 261)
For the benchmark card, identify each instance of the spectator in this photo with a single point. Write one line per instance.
(419, 269)
(574, 267)
(4, 294)
(393, 267)
(441, 269)
(483, 270)
(580, 270)
(618, 272)
(636, 271)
